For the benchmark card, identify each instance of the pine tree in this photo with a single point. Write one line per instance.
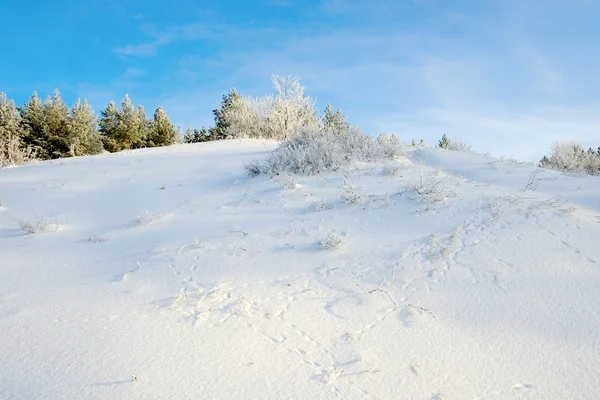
(32, 126)
(123, 128)
(109, 124)
(143, 128)
(444, 142)
(56, 125)
(10, 126)
(222, 122)
(162, 132)
(128, 132)
(83, 127)
(188, 137)
(334, 122)
(195, 135)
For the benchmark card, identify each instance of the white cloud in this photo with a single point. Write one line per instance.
(138, 50)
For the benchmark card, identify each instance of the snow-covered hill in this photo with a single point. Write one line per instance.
(169, 274)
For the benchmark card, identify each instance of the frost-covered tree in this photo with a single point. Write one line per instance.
(130, 133)
(56, 125)
(162, 132)
(33, 128)
(83, 127)
(123, 128)
(274, 117)
(143, 127)
(291, 108)
(109, 125)
(11, 151)
(334, 121)
(223, 116)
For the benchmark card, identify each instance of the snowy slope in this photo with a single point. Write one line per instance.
(169, 274)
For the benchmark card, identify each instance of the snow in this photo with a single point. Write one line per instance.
(168, 273)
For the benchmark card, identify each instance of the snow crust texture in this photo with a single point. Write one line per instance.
(169, 274)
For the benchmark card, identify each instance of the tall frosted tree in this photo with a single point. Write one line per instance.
(11, 151)
(291, 108)
(162, 132)
(83, 128)
(143, 127)
(123, 128)
(56, 124)
(276, 117)
(33, 128)
(223, 115)
(109, 125)
(128, 133)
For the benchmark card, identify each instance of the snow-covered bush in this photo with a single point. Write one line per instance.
(314, 150)
(572, 158)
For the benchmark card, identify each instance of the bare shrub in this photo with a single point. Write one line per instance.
(457, 145)
(38, 225)
(331, 241)
(99, 239)
(349, 194)
(323, 206)
(291, 182)
(147, 218)
(392, 169)
(432, 189)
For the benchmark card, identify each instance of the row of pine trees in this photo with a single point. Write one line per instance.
(50, 129)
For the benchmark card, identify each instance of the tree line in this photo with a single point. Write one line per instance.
(50, 129)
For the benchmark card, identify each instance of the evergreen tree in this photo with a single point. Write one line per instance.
(109, 125)
(444, 142)
(334, 122)
(123, 128)
(56, 125)
(10, 126)
(83, 127)
(162, 132)
(222, 122)
(32, 126)
(128, 132)
(143, 128)
(195, 135)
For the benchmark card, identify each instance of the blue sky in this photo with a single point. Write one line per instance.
(507, 77)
